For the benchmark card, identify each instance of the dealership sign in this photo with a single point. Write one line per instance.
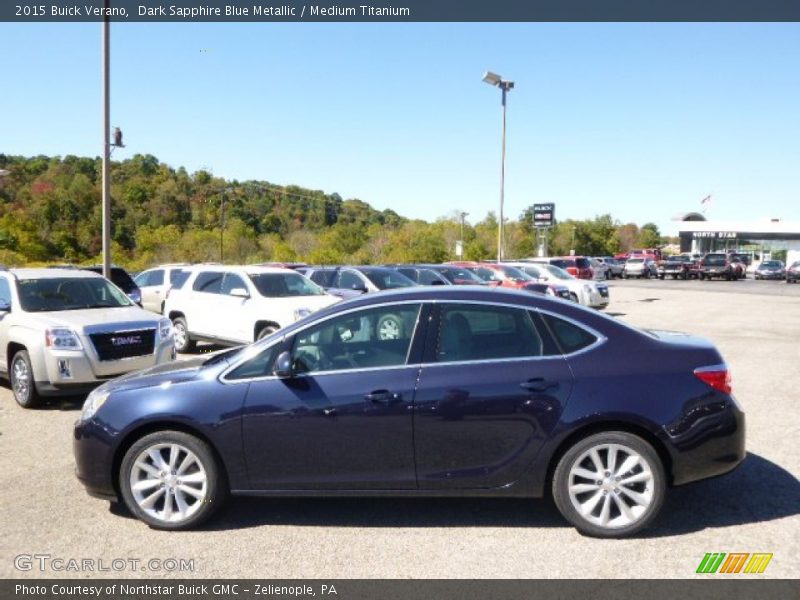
(719, 235)
(544, 215)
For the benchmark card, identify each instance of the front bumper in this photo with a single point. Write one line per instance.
(74, 371)
(93, 456)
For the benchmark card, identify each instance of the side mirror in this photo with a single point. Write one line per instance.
(283, 365)
(5, 306)
(360, 287)
(239, 293)
(437, 282)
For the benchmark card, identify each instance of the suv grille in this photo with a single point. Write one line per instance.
(124, 344)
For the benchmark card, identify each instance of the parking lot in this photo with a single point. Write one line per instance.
(756, 325)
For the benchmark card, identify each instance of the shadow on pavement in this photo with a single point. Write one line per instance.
(758, 491)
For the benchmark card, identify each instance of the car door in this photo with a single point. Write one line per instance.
(200, 304)
(151, 284)
(233, 320)
(344, 420)
(491, 389)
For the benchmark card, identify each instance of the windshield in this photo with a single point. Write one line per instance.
(69, 293)
(635, 261)
(715, 260)
(461, 276)
(771, 264)
(515, 274)
(387, 279)
(557, 272)
(284, 285)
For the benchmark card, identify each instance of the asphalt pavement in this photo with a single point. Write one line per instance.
(756, 325)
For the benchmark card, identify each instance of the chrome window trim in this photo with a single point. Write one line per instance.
(600, 340)
(421, 303)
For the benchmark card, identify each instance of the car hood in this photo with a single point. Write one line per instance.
(97, 317)
(168, 374)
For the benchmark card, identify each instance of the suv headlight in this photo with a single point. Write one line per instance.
(164, 328)
(61, 338)
(299, 313)
(94, 401)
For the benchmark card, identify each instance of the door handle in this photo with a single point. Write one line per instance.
(382, 397)
(538, 384)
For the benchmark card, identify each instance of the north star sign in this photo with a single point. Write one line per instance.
(720, 235)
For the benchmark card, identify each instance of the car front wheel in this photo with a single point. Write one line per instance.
(609, 484)
(171, 480)
(183, 343)
(22, 381)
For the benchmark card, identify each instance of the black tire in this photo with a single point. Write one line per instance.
(561, 483)
(265, 331)
(183, 341)
(389, 327)
(216, 486)
(23, 380)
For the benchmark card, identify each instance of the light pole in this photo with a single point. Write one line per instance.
(105, 42)
(505, 87)
(572, 251)
(463, 215)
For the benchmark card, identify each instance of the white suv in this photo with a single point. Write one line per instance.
(65, 331)
(238, 305)
(156, 283)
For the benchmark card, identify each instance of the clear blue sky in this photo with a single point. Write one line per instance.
(639, 120)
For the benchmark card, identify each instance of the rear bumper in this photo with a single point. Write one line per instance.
(706, 441)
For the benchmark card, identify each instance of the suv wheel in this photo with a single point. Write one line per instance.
(171, 480)
(183, 343)
(22, 380)
(609, 484)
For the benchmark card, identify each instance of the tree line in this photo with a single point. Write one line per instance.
(50, 212)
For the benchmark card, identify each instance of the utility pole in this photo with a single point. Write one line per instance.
(106, 177)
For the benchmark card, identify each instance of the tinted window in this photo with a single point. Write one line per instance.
(119, 278)
(428, 277)
(562, 263)
(386, 279)
(487, 274)
(716, 260)
(258, 366)
(178, 279)
(460, 276)
(209, 282)
(410, 273)
(350, 281)
(282, 285)
(323, 278)
(174, 274)
(376, 337)
(569, 336)
(5, 291)
(156, 277)
(68, 293)
(583, 263)
(474, 332)
(232, 281)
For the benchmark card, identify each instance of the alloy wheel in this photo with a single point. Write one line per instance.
(21, 379)
(611, 485)
(168, 482)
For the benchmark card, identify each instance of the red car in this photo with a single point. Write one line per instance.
(577, 266)
(501, 275)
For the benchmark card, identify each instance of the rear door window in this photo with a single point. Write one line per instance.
(472, 332)
(568, 336)
(209, 282)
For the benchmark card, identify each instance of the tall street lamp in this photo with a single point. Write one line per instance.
(463, 215)
(505, 87)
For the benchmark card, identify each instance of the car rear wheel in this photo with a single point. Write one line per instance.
(183, 343)
(609, 484)
(171, 480)
(23, 383)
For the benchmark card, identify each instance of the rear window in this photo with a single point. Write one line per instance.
(716, 260)
(323, 278)
(563, 263)
(282, 285)
(569, 336)
(386, 279)
(119, 277)
(583, 263)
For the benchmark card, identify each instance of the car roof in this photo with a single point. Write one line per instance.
(48, 273)
(247, 269)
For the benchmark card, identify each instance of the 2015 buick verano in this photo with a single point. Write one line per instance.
(484, 393)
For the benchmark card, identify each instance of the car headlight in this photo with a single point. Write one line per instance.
(62, 338)
(94, 401)
(299, 313)
(165, 328)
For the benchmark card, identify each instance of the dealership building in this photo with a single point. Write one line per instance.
(759, 238)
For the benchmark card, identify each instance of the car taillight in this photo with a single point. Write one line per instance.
(718, 377)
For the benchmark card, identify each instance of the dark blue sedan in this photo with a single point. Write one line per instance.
(472, 392)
